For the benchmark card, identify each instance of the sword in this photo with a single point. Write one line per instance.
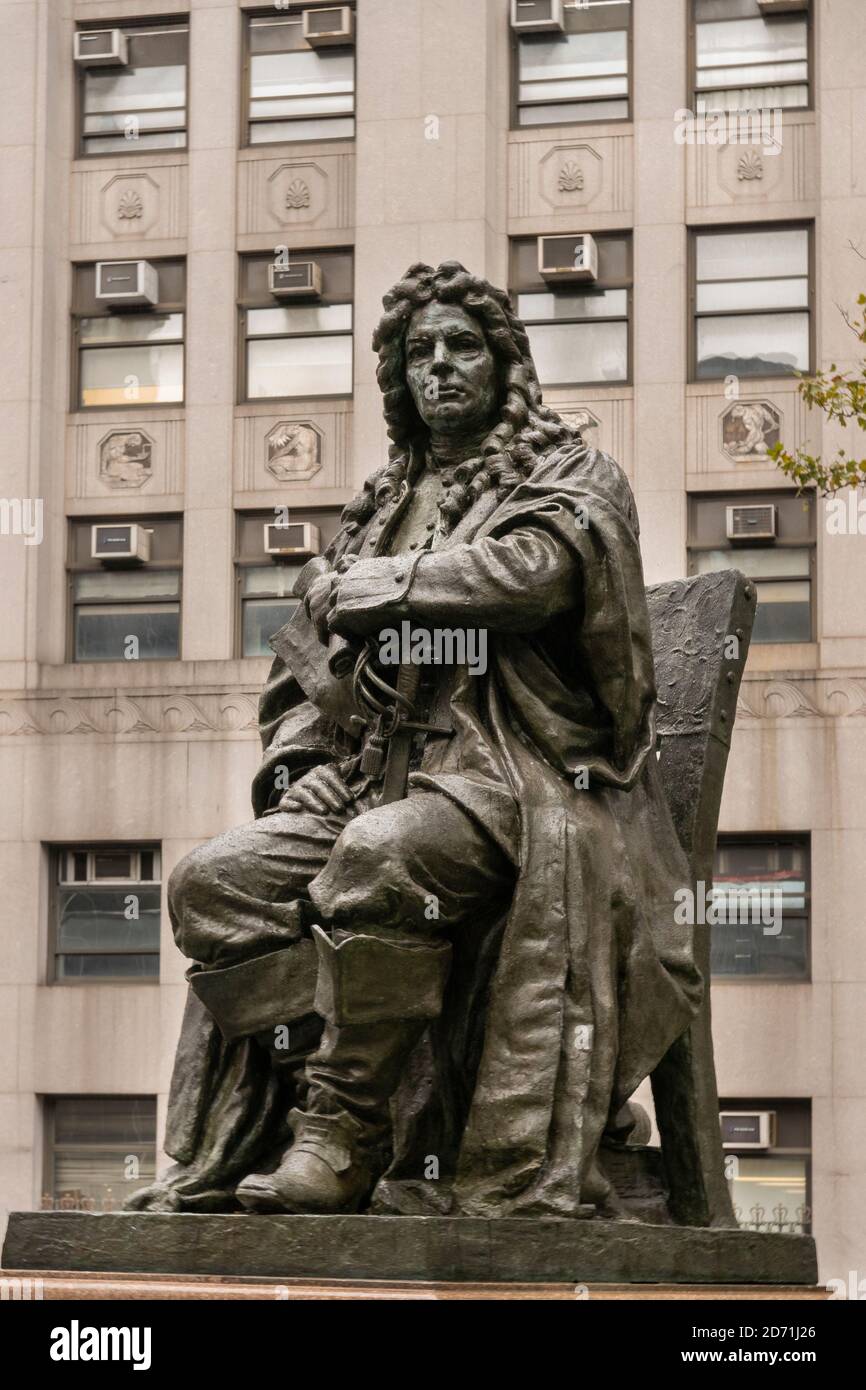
(400, 742)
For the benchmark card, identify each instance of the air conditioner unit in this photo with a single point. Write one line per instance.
(333, 25)
(748, 1129)
(537, 16)
(299, 279)
(121, 541)
(752, 523)
(100, 48)
(127, 282)
(771, 7)
(299, 538)
(568, 257)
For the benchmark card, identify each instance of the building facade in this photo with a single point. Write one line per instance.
(203, 203)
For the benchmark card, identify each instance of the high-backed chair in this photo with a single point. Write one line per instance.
(701, 629)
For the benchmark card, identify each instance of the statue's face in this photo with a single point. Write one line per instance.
(450, 370)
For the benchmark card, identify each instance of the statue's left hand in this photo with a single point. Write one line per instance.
(320, 790)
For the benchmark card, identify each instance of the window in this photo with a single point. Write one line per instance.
(761, 886)
(106, 918)
(99, 1150)
(579, 75)
(297, 92)
(782, 569)
(752, 302)
(770, 1187)
(128, 357)
(142, 105)
(578, 332)
(297, 348)
(265, 584)
(747, 61)
(126, 613)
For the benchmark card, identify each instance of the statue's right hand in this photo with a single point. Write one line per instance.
(319, 600)
(321, 790)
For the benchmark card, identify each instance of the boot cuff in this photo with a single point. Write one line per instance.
(368, 979)
(259, 993)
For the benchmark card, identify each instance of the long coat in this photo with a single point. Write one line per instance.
(556, 1014)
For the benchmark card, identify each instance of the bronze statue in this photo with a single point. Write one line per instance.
(443, 956)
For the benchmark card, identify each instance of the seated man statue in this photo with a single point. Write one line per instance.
(401, 806)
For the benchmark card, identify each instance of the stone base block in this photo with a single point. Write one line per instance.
(462, 1249)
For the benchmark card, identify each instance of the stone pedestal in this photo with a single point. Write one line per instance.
(406, 1248)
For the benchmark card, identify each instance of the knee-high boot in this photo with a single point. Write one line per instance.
(376, 995)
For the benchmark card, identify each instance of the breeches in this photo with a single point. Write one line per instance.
(420, 866)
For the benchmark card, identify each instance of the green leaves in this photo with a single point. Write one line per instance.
(842, 398)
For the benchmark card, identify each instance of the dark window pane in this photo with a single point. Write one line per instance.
(262, 618)
(146, 861)
(110, 967)
(760, 893)
(115, 865)
(102, 634)
(123, 586)
(783, 613)
(100, 919)
(769, 1193)
(104, 1149)
(105, 1119)
(744, 948)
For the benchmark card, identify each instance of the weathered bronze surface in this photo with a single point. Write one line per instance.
(427, 979)
(507, 1250)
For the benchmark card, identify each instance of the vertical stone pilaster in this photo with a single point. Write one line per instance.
(660, 325)
(431, 162)
(208, 605)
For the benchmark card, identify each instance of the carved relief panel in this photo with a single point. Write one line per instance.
(775, 167)
(297, 446)
(557, 178)
(725, 435)
(288, 193)
(113, 204)
(111, 458)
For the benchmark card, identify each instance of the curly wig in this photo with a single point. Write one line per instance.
(526, 428)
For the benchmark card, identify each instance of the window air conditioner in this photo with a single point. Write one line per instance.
(568, 257)
(748, 1129)
(771, 7)
(100, 48)
(296, 280)
(753, 523)
(333, 25)
(537, 16)
(120, 541)
(127, 282)
(299, 538)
